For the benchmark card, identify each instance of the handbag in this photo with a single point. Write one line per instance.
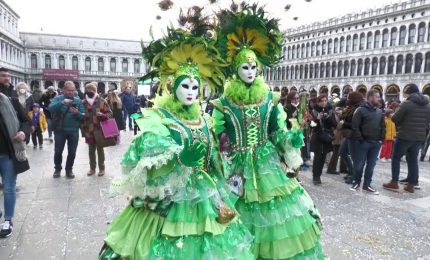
(325, 136)
(102, 141)
(109, 128)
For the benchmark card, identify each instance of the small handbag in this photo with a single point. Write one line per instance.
(109, 128)
(102, 141)
(325, 136)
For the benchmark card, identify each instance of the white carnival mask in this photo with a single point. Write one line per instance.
(247, 72)
(187, 91)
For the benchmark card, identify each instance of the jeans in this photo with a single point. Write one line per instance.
(345, 155)
(126, 116)
(50, 130)
(37, 137)
(92, 148)
(8, 177)
(425, 147)
(365, 153)
(72, 139)
(411, 150)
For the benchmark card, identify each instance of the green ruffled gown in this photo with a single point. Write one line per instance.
(275, 208)
(175, 208)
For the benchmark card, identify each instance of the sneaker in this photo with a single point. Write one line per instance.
(91, 172)
(392, 185)
(382, 160)
(355, 187)
(409, 188)
(317, 181)
(6, 229)
(70, 175)
(417, 187)
(40, 146)
(334, 173)
(388, 160)
(101, 173)
(57, 174)
(371, 190)
(34, 146)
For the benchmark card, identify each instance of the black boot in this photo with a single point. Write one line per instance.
(317, 180)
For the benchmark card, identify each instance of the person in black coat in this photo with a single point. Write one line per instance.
(323, 125)
(45, 101)
(12, 161)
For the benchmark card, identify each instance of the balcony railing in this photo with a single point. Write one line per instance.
(94, 73)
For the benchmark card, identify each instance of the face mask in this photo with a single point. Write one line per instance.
(187, 91)
(22, 91)
(90, 94)
(247, 72)
(294, 104)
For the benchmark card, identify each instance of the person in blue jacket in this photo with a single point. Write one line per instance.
(67, 112)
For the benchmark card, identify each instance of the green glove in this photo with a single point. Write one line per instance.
(192, 155)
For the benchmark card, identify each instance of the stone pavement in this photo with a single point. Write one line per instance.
(67, 219)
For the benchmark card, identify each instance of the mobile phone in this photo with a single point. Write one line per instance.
(75, 105)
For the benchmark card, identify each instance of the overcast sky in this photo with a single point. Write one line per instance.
(131, 19)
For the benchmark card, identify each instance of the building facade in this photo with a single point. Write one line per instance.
(384, 49)
(44, 60)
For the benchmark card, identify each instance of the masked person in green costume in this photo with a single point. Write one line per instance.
(180, 206)
(275, 208)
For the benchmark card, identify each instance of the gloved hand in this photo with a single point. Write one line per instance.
(192, 155)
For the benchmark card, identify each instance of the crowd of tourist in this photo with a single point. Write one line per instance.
(362, 129)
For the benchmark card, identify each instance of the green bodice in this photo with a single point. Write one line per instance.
(248, 125)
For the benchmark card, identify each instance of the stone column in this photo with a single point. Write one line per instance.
(107, 65)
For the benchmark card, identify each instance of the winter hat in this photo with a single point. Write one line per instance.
(411, 89)
(354, 98)
(36, 105)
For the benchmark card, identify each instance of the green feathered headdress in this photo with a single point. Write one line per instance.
(181, 54)
(246, 32)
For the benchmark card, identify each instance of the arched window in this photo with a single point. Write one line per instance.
(418, 63)
(329, 46)
(316, 71)
(399, 68)
(427, 65)
(287, 71)
(294, 53)
(324, 46)
(33, 60)
(409, 63)
(289, 52)
(341, 44)
(100, 64)
(48, 61)
(353, 67)
(87, 64)
(390, 65)
(355, 43)
(124, 65)
(322, 70)
(366, 67)
(137, 66)
(306, 71)
(377, 42)
(348, 43)
(421, 32)
(308, 50)
(333, 69)
(345, 68)
(298, 52)
(393, 37)
(311, 71)
(279, 74)
(339, 69)
(327, 70)
(359, 67)
(336, 45)
(313, 50)
(362, 41)
(412, 33)
(402, 37)
(318, 48)
(113, 65)
(374, 66)
(385, 38)
(382, 65)
(61, 62)
(75, 63)
(369, 40)
(303, 51)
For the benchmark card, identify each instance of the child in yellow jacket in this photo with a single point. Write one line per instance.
(390, 134)
(39, 125)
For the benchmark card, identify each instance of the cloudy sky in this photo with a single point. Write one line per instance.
(131, 19)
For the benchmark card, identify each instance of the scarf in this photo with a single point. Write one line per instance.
(9, 115)
(91, 100)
